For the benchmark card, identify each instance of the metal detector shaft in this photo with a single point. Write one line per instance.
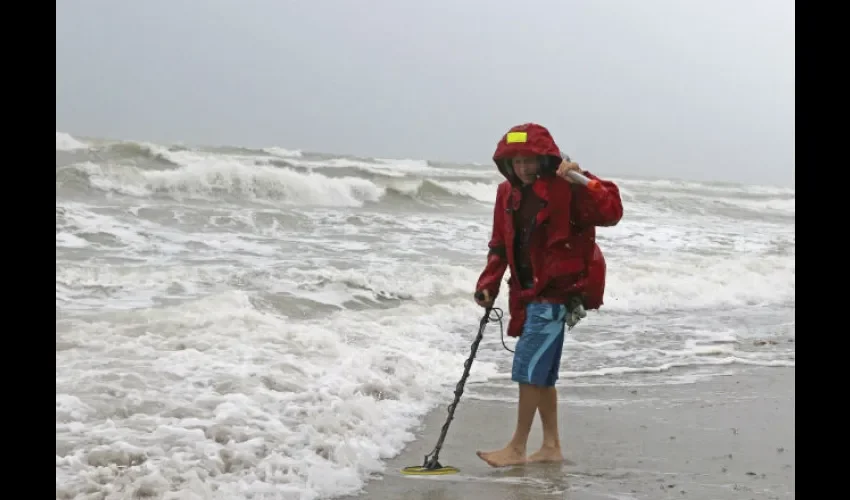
(431, 458)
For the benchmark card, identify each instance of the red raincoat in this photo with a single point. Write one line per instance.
(562, 245)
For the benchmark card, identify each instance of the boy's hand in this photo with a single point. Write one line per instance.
(565, 167)
(482, 298)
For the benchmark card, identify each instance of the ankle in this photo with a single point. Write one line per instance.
(553, 445)
(517, 447)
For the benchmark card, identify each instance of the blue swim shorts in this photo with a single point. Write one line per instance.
(537, 356)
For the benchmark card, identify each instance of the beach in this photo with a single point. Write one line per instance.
(730, 437)
(278, 324)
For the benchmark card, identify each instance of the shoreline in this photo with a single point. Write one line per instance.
(729, 437)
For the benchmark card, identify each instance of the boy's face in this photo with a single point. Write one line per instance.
(526, 168)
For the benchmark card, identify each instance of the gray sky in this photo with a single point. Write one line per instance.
(670, 88)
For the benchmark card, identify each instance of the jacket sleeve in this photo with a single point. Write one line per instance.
(497, 257)
(602, 207)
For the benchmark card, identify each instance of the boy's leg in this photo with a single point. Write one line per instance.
(537, 349)
(550, 451)
(514, 452)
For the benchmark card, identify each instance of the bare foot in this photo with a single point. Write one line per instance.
(502, 458)
(546, 454)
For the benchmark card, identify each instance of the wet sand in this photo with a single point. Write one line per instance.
(730, 437)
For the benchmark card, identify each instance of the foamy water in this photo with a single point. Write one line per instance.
(274, 323)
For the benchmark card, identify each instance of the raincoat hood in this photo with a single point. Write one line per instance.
(528, 139)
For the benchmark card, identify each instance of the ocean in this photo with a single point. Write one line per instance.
(276, 324)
